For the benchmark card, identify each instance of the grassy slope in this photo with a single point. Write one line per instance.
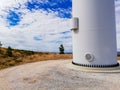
(23, 56)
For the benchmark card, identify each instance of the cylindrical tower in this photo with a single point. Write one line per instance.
(94, 33)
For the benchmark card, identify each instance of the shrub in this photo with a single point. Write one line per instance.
(61, 49)
(9, 52)
(0, 46)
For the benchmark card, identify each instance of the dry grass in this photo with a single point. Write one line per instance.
(118, 58)
(42, 57)
(23, 56)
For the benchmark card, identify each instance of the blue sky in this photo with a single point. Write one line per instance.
(40, 25)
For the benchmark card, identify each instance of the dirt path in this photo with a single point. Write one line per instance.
(54, 75)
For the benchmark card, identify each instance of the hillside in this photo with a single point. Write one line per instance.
(24, 56)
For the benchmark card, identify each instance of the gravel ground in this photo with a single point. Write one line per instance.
(55, 75)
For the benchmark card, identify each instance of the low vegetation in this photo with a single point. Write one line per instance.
(12, 57)
(61, 49)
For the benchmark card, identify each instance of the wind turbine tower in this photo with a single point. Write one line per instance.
(94, 33)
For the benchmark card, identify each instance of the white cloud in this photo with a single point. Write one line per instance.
(37, 23)
(117, 9)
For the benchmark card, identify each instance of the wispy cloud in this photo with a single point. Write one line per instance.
(61, 8)
(33, 27)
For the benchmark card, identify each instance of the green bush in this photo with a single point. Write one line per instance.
(61, 49)
(9, 52)
(0, 46)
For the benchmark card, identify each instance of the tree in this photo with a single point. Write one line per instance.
(9, 52)
(61, 49)
(0, 46)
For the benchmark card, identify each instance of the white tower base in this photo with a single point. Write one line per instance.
(94, 33)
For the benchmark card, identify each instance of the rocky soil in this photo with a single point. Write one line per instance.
(55, 75)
